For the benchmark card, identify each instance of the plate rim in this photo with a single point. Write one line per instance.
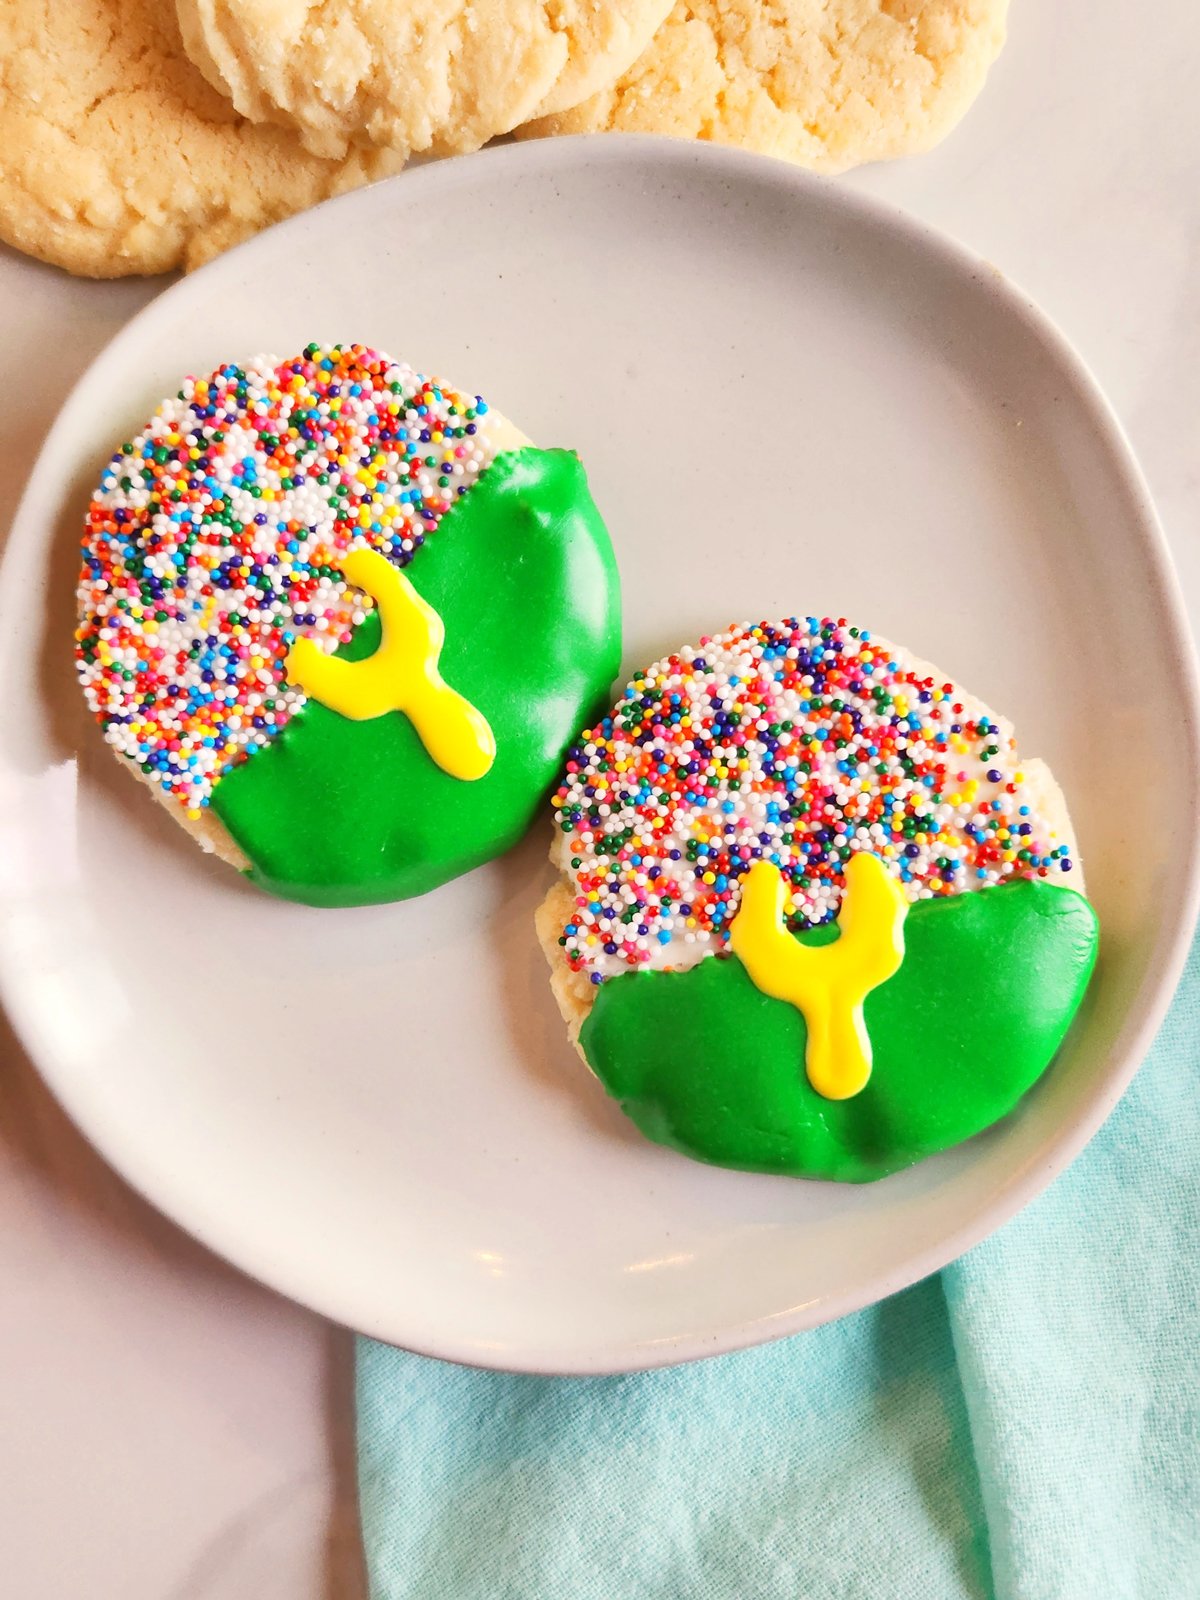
(1140, 1023)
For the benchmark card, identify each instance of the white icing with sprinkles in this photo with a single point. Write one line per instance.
(216, 532)
(798, 743)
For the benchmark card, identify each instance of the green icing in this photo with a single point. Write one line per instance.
(704, 1062)
(336, 812)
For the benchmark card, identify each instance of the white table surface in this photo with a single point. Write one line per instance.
(169, 1430)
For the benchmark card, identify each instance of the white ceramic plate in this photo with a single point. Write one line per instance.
(788, 399)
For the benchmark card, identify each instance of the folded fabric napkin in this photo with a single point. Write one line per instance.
(1024, 1426)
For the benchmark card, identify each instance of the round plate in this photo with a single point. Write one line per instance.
(788, 400)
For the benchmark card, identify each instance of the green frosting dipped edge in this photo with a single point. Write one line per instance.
(704, 1062)
(336, 812)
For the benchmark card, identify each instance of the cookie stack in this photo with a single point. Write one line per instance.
(145, 137)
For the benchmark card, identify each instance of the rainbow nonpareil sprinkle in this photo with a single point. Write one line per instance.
(797, 743)
(214, 537)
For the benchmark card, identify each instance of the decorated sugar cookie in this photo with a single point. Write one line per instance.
(344, 620)
(817, 915)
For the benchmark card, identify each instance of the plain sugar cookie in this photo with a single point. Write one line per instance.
(116, 157)
(412, 75)
(824, 83)
(343, 620)
(817, 915)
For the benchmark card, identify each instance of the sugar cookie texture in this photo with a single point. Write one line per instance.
(412, 75)
(116, 156)
(823, 83)
(798, 743)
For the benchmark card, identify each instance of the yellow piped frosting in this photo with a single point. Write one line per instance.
(402, 674)
(827, 984)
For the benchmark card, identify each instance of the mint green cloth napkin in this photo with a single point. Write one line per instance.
(1025, 1426)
